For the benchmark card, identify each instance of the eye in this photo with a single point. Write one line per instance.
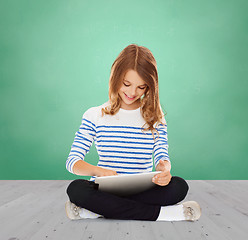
(129, 85)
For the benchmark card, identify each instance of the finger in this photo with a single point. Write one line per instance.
(159, 180)
(158, 176)
(163, 182)
(161, 175)
(166, 175)
(155, 177)
(155, 180)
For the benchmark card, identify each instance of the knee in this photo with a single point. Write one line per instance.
(78, 190)
(182, 187)
(73, 188)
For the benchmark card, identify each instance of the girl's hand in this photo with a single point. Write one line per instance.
(164, 177)
(100, 172)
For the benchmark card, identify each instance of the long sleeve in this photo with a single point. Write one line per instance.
(83, 140)
(161, 146)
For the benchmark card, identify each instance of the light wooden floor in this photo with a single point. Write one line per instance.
(35, 210)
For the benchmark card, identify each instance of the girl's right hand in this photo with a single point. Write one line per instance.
(105, 172)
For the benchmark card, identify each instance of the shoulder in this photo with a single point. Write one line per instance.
(162, 124)
(164, 121)
(93, 113)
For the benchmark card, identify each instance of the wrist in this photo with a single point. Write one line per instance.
(97, 171)
(166, 166)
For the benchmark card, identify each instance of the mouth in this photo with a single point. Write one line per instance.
(129, 97)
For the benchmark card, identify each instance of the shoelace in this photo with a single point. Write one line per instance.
(76, 210)
(189, 212)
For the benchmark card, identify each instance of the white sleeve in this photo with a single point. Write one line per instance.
(83, 140)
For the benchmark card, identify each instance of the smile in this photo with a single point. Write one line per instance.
(129, 97)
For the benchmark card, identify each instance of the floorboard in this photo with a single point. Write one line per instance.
(34, 209)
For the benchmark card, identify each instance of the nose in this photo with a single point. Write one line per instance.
(133, 92)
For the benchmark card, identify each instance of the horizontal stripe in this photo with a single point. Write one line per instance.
(90, 122)
(126, 132)
(124, 152)
(125, 147)
(125, 137)
(82, 143)
(127, 127)
(122, 162)
(129, 147)
(119, 156)
(81, 137)
(106, 141)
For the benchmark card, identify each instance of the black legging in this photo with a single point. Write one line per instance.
(142, 206)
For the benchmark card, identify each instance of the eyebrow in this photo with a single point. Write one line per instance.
(130, 82)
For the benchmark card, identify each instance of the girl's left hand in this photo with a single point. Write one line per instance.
(164, 177)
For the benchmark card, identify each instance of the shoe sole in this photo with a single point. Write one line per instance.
(67, 209)
(197, 209)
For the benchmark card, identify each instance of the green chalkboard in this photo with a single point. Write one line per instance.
(55, 64)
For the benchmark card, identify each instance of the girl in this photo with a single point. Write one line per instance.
(125, 146)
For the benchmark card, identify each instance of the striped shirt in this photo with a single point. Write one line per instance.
(120, 143)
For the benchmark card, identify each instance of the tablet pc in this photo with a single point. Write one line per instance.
(126, 184)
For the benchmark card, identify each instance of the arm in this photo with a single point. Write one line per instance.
(83, 140)
(85, 169)
(161, 146)
(161, 158)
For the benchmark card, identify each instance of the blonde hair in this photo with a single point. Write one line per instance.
(141, 60)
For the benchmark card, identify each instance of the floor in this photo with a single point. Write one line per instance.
(34, 209)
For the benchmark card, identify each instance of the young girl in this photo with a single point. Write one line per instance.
(125, 146)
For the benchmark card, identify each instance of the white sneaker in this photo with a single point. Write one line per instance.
(72, 211)
(191, 210)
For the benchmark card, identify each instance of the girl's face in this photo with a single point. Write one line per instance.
(132, 88)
